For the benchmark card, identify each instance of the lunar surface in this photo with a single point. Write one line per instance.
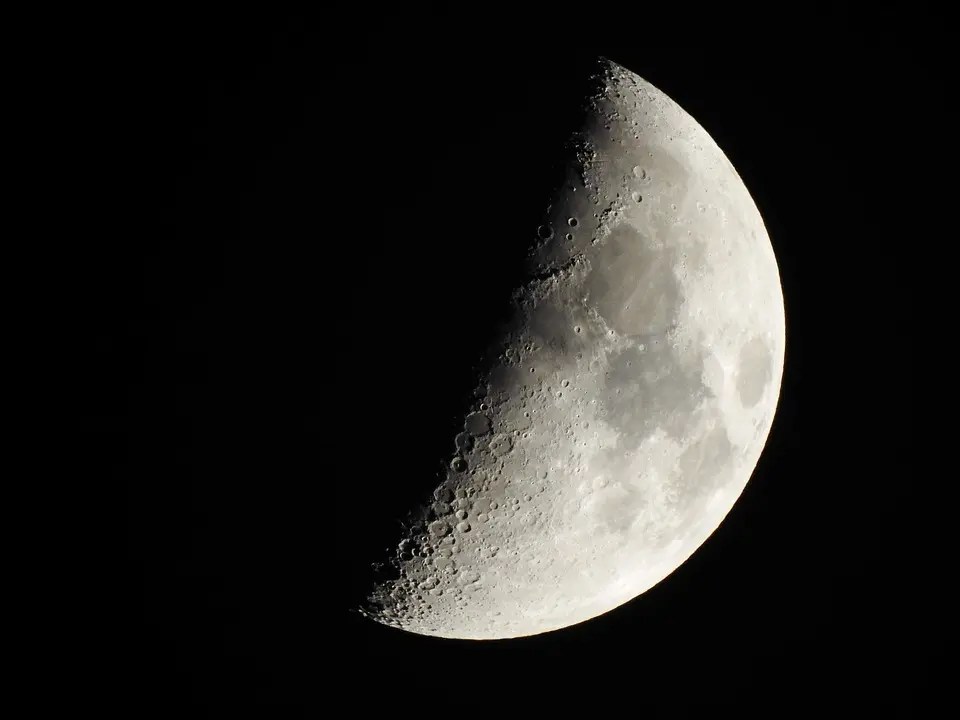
(622, 413)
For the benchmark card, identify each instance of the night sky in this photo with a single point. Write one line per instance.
(343, 213)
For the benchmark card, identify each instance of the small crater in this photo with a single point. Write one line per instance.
(438, 528)
(468, 577)
(443, 494)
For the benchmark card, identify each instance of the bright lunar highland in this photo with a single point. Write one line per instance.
(627, 403)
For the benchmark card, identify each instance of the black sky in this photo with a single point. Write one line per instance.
(341, 227)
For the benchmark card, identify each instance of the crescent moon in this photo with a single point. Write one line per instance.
(624, 410)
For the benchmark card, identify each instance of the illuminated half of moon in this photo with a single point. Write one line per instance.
(627, 404)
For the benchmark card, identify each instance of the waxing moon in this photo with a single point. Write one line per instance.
(628, 400)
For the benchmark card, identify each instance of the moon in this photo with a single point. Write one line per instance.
(627, 402)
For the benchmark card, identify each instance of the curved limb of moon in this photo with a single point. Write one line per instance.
(630, 397)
